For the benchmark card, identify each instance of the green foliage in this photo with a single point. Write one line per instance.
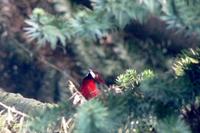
(187, 67)
(144, 124)
(172, 125)
(107, 15)
(45, 28)
(128, 78)
(83, 23)
(183, 14)
(146, 101)
(109, 62)
(122, 11)
(186, 59)
(159, 96)
(93, 117)
(131, 78)
(48, 120)
(87, 25)
(146, 108)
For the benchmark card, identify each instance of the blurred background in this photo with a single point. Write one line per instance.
(41, 72)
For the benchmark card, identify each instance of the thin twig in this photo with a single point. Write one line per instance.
(12, 109)
(24, 48)
(64, 125)
(68, 122)
(74, 90)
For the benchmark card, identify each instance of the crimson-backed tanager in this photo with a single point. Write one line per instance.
(89, 85)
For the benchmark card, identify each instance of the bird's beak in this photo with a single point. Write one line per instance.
(96, 76)
(99, 79)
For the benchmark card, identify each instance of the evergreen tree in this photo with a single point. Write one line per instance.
(150, 100)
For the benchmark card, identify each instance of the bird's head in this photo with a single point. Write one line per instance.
(96, 76)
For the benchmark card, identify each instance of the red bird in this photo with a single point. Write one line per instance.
(88, 87)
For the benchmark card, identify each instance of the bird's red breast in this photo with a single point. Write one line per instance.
(89, 89)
